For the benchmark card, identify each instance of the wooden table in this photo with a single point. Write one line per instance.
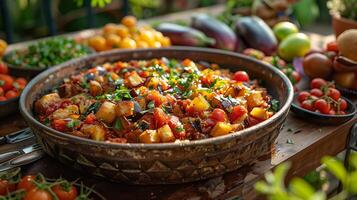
(309, 143)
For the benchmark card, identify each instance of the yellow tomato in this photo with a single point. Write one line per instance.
(3, 46)
(142, 44)
(109, 28)
(113, 41)
(155, 44)
(98, 43)
(129, 21)
(147, 36)
(128, 43)
(165, 42)
(122, 31)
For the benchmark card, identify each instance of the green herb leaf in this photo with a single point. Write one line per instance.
(118, 125)
(151, 105)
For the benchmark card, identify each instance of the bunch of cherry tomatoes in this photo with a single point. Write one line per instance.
(323, 98)
(36, 187)
(10, 87)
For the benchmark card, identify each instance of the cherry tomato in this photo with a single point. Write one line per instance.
(237, 112)
(38, 194)
(316, 92)
(296, 76)
(3, 68)
(334, 94)
(2, 98)
(317, 83)
(322, 106)
(21, 81)
(342, 113)
(303, 96)
(2, 91)
(307, 105)
(65, 191)
(332, 112)
(90, 119)
(218, 115)
(332, 46)
(241, 76)
(26, 183)
(6, 82)
(343, 104)
(11, 94)
(6, 187)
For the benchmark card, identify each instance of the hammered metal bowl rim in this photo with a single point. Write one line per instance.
(221, 139)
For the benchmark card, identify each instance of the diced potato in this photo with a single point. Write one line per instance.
(42, 104)
(134, 79)
(95, 88)
(254, 99)
(67, 112)
(141, 101)
(166, 134)
(221, 128)
(149, 136)
(95, 132)
(259, 113)
(124, 108)
(106, 112)
(200, 104)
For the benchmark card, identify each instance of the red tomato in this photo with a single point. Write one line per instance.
(322, 106)
(303, 96)
(218, 115)
(6, 82)
(332, 112)
(160, 117)
(156, 97)
(59, 124)
(3, 68)
(6, 187)
(343, 104)
(2, 98)
(21, 81)
(241, 76)
(26, 183)
(334, 94)
(65, 191)
(2, 91)
(307, 105)
(253, 121)
(316, 92)
(90, 119)
(317, 83)
(175, 125)
(296, 76)
(332, 46)
(11, 94)
(37, 194)
(237, 112)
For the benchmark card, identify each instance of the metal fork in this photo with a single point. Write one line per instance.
(17, 136)
(26, 155)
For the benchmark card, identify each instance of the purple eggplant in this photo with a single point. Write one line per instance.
(212, 27)
(256, 34)
(183, 35)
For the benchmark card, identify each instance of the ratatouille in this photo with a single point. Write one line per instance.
(155, 101)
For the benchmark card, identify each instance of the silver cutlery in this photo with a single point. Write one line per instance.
(17, 136)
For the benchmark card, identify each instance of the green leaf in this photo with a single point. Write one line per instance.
(151, 104)
(280, 173)
(301, 188)
(318, 196)
(336, 168)
(353, 160)
(262, 187)
(118, 125)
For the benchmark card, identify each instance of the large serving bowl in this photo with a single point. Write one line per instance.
(167, 162)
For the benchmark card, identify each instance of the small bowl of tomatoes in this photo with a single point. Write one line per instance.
(323, 104)
(10, 90)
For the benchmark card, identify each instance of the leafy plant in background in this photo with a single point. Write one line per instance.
(298, 189)
(343, 8)
(94, 3)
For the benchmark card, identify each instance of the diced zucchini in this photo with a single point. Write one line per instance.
(124, 108)
(166, 134)
(254, 99)
(134, 79)
(200, 104)
(95, 132)
(106, 112)
(149, 136)
(221, 128)
(259, 113)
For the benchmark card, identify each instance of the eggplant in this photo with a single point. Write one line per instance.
(183, 35)
(256, 34)
(212, 27)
